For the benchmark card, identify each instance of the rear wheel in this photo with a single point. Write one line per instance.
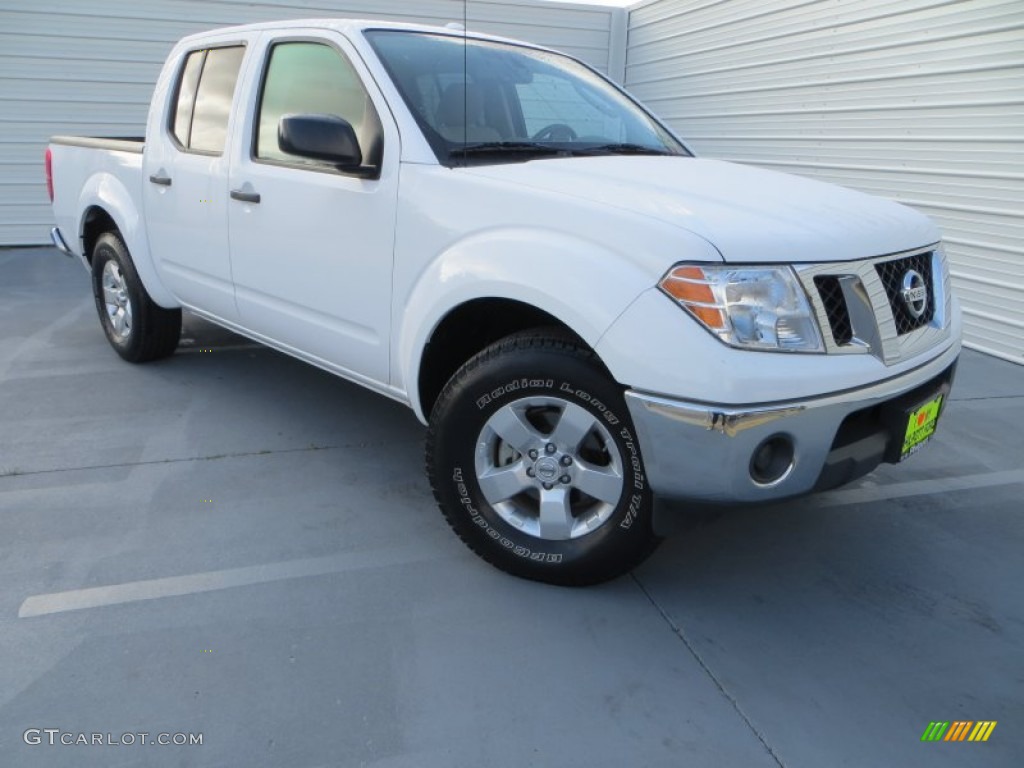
(137, 328)
(535, 463)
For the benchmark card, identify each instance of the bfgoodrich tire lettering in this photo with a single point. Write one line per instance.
(535, 464)
(137, 328)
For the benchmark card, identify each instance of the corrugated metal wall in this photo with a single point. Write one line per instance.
(76, 67)
(918, 100)
(921, 101)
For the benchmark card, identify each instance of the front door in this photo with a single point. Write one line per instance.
(311, 245)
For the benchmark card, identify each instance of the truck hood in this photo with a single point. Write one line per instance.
(747, 214)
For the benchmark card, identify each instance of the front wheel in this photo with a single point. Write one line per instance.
(535, 463)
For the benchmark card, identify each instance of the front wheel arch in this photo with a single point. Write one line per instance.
(468, 329)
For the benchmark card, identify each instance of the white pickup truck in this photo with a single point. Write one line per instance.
(594, 324)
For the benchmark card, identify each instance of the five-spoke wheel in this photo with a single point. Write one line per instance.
(549, 467)
(137, 327)
(533, 459)
(116, 301)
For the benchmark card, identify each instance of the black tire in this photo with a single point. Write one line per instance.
(541, 388)
(137, 328)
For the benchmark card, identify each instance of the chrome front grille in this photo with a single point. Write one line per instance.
(873, 307)
(891, 274)
(831, 292)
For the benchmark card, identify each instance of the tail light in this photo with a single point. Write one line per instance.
(49, 173)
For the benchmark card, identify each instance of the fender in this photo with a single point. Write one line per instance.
(580, 282)
(104, 190)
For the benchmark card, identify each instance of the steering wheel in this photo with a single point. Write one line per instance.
(555, 132)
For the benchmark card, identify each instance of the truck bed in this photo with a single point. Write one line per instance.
(117, 143)
(96, 171)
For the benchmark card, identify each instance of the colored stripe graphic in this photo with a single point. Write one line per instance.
(958, 730)
(983, 730)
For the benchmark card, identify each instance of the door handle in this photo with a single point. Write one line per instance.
(245, 197)
(163, 181)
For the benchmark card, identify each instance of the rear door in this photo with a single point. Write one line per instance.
(185, 176)
(312, 245)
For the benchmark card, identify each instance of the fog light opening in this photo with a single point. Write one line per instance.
(772, 460)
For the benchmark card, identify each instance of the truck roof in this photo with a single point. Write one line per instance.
(349, 26)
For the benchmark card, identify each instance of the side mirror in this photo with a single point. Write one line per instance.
(321, 137)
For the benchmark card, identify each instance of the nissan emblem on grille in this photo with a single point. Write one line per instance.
(915, 293)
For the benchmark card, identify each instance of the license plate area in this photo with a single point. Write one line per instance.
(911, 419)
(920, 425)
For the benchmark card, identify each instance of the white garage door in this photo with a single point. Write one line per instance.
(918, 100)
(77, 67)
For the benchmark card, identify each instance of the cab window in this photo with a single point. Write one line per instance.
(313, 78)
(203, 100)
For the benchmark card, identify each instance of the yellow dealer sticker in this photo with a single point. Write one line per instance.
(921, 426)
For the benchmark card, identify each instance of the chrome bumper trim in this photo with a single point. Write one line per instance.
(701, 451)
(58, 241)
(62, 246)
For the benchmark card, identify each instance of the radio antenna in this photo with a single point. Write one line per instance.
(465, 78)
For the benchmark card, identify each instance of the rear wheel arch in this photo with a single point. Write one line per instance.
(96, 221)
(107, 207)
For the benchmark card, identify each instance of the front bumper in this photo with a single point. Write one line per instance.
(701, 451)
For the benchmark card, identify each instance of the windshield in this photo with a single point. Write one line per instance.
(483, 102)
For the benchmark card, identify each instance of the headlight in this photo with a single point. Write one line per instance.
(750, 307)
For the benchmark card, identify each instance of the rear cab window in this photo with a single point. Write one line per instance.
(202, 103)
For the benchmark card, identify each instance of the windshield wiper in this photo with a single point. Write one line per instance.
(526, 150)
(620, 149)
(510, 147)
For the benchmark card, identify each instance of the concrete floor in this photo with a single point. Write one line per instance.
(236, 544)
